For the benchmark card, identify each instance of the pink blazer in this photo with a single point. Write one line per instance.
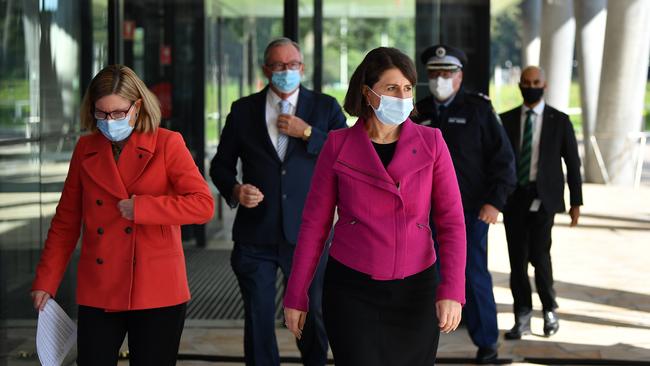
(383, 226)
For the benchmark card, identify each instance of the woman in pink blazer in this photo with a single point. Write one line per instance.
(383, 303)
(130, 186)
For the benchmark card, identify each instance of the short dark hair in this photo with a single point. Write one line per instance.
(368, 73)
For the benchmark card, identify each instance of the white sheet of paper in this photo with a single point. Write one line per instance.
(55, 335)
(535, 205)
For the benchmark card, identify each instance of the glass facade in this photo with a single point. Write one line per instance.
(40, 93)
(197, 56)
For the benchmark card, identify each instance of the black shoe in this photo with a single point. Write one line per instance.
(551, 323)
(521, 327)
(486, 355)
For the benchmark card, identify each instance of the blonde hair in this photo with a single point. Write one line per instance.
(122, 81)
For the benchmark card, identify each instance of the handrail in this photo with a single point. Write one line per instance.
(43, 137)
(641, 136)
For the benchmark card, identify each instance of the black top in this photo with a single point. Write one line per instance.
(385, 152)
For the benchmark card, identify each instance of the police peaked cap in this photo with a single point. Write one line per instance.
(443, 57)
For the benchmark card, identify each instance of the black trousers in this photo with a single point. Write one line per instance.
(529, 241)
(380, 323)
(154, 335)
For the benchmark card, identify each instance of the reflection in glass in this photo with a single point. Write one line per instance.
(19, 65)
(237, 31)
(99, 13)
(39, 105)
(352, 28)
(20, 219)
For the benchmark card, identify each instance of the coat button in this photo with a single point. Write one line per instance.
(99, 261)
(284, 196)
(140, 156)
(99, 202)
(284, 172)
(128, 230)
(100, 231)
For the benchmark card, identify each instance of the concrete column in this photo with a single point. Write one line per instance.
(531, 14)
(558, 36)
(623, 82)
(591, 16)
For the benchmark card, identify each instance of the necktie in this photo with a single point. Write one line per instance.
(523, 165)
(283, 140)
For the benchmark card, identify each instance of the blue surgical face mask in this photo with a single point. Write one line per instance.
(393, 111)
(286, 81)
(115, 130)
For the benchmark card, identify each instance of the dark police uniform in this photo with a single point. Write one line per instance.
(484, 164)
(478, 145)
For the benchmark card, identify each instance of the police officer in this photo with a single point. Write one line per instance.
(484, 164)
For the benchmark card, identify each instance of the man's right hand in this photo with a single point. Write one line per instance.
(247, 195)
(40, 297)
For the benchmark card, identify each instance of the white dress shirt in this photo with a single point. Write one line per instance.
(273, 111)
(537, 133)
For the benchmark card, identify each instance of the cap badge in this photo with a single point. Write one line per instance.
(440, 52)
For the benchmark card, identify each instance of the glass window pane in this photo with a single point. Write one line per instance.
(19, 70)
(352, 28)
(20, 220)
(40, 95)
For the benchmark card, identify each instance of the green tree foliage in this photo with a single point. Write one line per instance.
(506, 37)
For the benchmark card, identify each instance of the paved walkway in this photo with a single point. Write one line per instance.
(602, 281)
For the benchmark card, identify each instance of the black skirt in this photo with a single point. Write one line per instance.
(371, 322)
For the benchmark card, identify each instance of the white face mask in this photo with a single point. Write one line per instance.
(441, 88)
(392, 111)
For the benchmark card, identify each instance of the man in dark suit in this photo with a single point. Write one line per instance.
(541, 137)
(277, 133)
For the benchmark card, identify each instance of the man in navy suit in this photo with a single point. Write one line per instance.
(541, 137)
(277, 133)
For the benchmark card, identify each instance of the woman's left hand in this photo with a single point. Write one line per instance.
(295, 320)
(449, 313)
(126, 208)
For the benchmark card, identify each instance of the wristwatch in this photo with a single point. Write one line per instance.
(306, 133)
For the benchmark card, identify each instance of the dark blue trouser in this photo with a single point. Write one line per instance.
(256, 269)
(480, 311)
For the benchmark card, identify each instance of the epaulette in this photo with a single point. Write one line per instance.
(481, 96)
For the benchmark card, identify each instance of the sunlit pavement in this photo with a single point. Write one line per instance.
(602, 281)
(602, 278)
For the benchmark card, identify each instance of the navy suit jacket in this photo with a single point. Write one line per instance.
(284, 183)
(557, 143)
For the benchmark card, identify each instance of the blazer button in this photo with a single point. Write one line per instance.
(99, 202)
(99, 261)
(284, 196)
(100, 231)
(284, 172)
(128, 230)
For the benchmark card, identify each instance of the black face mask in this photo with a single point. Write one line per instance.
(531, 95)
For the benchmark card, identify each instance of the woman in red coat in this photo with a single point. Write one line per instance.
(130, 186)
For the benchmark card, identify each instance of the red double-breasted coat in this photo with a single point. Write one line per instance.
(126, 264)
